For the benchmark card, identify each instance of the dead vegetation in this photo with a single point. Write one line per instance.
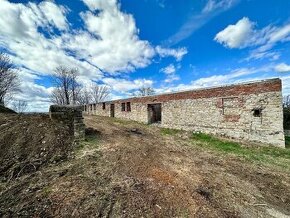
(126, 169)
(6, 110)
(28, 142)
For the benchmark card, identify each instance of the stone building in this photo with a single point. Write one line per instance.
(249, 111)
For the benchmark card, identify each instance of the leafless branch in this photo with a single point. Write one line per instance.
(19, 106)
(145, 91)
(286, 101)
(100, 92)
(9, 81)
(66, 86)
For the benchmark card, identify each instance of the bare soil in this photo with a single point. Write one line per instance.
(126, 169)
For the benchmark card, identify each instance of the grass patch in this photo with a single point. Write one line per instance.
(166, 131)
(46, 191)
(278, 156)
(123, 121)
(287, 141)
(92, 139)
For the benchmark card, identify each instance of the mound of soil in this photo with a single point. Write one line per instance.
(28, 142)
(6, 110)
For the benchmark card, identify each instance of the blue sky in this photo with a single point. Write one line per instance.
(169, 45)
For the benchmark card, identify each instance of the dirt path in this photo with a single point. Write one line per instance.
(128, 169)
(178, 179)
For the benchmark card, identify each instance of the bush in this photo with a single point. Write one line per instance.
(286, 118)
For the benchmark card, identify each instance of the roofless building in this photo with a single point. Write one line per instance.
(249, 111)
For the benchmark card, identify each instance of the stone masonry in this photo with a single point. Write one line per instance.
(249, 112)
(71, 116)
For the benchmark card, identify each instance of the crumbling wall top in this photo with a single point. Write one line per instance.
(71, 116)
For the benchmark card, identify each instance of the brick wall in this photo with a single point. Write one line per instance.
(250, 112)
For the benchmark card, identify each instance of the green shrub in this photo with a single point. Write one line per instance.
(286, 122)
(287, 141)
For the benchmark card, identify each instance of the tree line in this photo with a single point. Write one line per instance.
(286, 112)
(67, 88)
(68, 91)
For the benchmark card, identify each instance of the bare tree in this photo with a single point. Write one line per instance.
(145, 91)
(84, 97)
(286, 101)
(57, 96)
(66, 86)
(9, 81)
(19, 106)
(99, 92)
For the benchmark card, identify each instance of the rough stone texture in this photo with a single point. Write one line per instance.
(250, 112)
(235, 121)
(71, 116)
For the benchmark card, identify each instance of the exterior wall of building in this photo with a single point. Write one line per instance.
(233, 118)
(100, 111)
(250, 112)
(138, 112)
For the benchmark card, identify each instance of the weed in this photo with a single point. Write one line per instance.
(287, 141)
(166, 131)
(92, 139)
(123, 122)
(46, 191)
(278, 156)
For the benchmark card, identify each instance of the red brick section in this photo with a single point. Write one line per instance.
(272, 85)
(231, 118)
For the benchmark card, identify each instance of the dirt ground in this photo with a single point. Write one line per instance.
(126, 169)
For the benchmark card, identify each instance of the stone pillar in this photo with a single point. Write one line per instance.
(71, 116)
(79, 126)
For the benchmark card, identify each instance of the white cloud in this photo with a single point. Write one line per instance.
(211, 9)
(213, 5)
(216, 80)
(234, 76)
(115, 45)
(272, 55)
(124, 86)
(101, 4)
(177, 53)
(244, 34)
(54, 14)
(109, 42)
(239, 75)
(170, 72)
(112, 36)
(36, 95)
(171, 78)
(282, 68)
(238, 35)
(170, 69)
(280, 34)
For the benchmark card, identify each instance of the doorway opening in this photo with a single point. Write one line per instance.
(154, 113)
(112, 110)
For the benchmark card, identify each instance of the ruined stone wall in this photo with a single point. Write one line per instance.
(230, 116)
(71, 116)
(250, 112)
(102, 112)
(138, 112)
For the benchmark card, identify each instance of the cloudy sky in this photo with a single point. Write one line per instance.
(171, 45)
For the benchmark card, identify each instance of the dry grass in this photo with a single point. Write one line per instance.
(127, 169)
